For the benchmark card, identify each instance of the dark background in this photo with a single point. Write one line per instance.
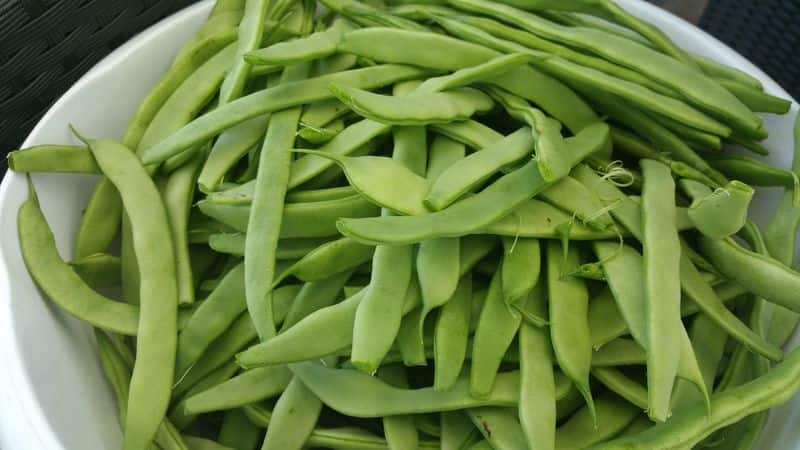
(46, 45)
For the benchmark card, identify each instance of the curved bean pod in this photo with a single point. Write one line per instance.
(327, 260)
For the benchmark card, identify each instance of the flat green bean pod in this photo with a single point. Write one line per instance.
(580, 431)
(470, 172)
(360, 395)
(300, 220)
(470, 214)
(723, 212)
(98, 271)
(416, 108)
(53, 158)
(327, 260)
(367, 175)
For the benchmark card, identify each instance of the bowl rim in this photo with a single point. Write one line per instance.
(22, 420)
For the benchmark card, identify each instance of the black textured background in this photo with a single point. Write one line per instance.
(46, 45)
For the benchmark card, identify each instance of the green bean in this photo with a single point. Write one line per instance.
(157, 333)
(300, 342)
(619, 352)
(417, 108)
(199, 443)
(470, 214)
(367, 175)
(178, 193)
(569, 327)
(211, 379)
(497, 327)
(283, 96)
(248, 387)
(693, 136)
(661, 137)
(585, 77)
(534, 42)
(696, 87)
(315, 296)
(238, 432)
(211, 319)
(328, 259)
(727, 407)
(724, 72)
(300, 220)
(662, 285)
(780, 237)
(756, 99)
(243, 194)
(756, 173)
(116, 365)
(233, 244)
(338, 388)
(457, 430)
(708, 341)
(293, 418)
(631, 144)
(520, 268)
(315, 46)
(451, 335)
(229, 147)
(466, 174)
(575, 198)
(445, 53)
(265, 222)
(400, 431)
(53, 158)
(699, 291)
(617, 382)
(730, 202)
(349, 141)
(537, 406)
(410, 339)
(437, 274)
(499, 427)
(98, 271)
(580, 431)
(530, 308)
(317, 136)
(758, 274)
(468, 132)
(537, 219)
(378, 316)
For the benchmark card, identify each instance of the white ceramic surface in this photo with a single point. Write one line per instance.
(52, 392)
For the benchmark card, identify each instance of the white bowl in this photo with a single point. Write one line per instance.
(52, 392)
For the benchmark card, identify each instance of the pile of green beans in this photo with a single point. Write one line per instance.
(455, 224)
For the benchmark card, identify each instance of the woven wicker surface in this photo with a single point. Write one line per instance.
(767, 32)
(46, 45)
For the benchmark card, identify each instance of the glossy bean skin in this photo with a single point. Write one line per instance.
(157, 333)
(569, 326)
(273, 99)
(731, 201)
(469, 214)
(468, 132)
